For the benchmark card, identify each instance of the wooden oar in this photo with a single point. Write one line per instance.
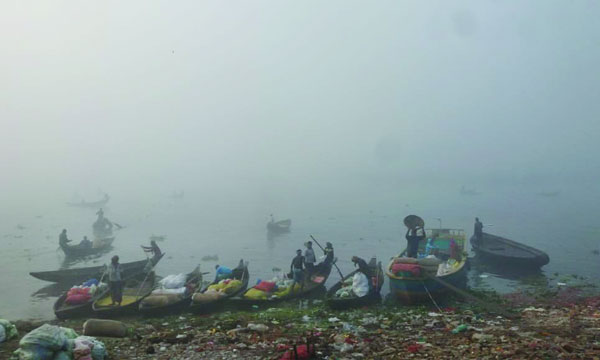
(333, 261)
(468, 296)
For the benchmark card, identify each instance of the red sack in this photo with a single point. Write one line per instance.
(77, 299)
(414, 269)
(78, 291)
(266, 286)
(302, 351)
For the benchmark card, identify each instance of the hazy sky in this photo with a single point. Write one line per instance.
(168, 95)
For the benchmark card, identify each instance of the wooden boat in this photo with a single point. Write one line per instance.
(74, 276)
(134, 292)
(508, 252)
(192, 283)
(375, 276)
(91, 204)
(281, 226)
(239, 273)
(97, 247)
(417, 289)
(312, 283)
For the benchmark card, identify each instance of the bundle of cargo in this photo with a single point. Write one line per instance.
(173, 293)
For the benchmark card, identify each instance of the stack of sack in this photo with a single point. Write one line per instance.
(49, 342)
(447, 267)
(7, 331)
(170, 289)
(218, 291)
(406, 267)
(84, 292)
(277, 288)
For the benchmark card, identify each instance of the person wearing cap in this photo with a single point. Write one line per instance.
(115, 281)
(309, 257)
(297, 269)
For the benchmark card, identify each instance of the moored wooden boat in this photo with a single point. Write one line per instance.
(192, 283)
(62, 310)
(238, 273)
(134, 291)
(375, 276)
(74, 276)
(418, 289)
(312, 283)
(97, 247)
(508, 252)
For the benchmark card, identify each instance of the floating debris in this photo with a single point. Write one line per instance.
(210, 258)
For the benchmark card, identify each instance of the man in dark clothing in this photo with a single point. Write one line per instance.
(478, 230)
(412, 239)
(62, 238)
(297, 269)
(328, 253)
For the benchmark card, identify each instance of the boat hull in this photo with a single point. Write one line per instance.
(524, 256)
(74, 276)
(418, 290)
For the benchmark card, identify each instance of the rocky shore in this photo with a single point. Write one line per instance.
(565, 325)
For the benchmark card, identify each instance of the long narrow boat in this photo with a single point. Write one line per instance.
(63, 310)
(91, 204)
(134, 292)
(102, 245)
(312, 283)
(415, 289)
(78, 275)
(375, 277)
(508, 252)
(160, 304)
(239, 273)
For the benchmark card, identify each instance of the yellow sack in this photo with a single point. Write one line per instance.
(207, 297)
(285, 291)
(255, 294)
(232, 287)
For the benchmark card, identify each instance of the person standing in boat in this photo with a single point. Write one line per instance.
(412, 241)
(478, 230)
(297, 269)
(328, 251)
(115, 281)
(309, 257)
(62, 238)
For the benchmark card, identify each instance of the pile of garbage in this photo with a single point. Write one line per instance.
(83, 293)
(8, 331)
(50, 342)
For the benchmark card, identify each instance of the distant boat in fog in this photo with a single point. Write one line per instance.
(177, 195)
(549, 193)
(281, 226)
(465, 191)
(91, 204)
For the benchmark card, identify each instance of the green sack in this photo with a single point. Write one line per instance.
(46, 336)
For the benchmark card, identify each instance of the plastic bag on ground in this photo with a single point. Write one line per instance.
(173, 281)
(360, 284)
(10, 330)
(62, 355)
